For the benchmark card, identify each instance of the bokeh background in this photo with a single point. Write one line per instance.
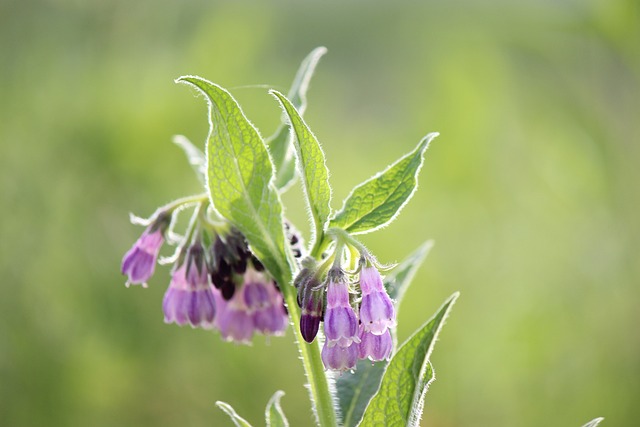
(531, 194)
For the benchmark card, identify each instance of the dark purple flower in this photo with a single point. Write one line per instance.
(374, 347)
(339, 358)
(139, 263)
(190, 297)
(312, 304)
(340, 323)
(377, 313)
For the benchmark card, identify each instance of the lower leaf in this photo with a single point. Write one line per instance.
(400, 399)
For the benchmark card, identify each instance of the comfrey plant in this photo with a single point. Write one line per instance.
(242, 269)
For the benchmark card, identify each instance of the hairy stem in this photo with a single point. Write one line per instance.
(318, 384)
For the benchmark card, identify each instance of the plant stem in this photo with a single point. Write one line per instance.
(311, 360)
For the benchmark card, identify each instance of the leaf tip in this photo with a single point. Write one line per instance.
(426, 140)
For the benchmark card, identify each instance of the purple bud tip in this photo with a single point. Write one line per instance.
(309, 326)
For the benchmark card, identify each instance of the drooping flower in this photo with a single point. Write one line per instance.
(340, 351)
(190, 296)
(265, 303)
(339, 358)
(140, 261)
(374, 347)
(340, 322)
(377, 313)
(233, 319)
(257, 306)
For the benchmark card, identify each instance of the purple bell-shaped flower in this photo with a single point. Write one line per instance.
(340, 351)
(374, 347)
(190, 296)
(140, 261)
(377, 313)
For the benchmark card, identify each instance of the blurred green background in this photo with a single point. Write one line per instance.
(531, 193)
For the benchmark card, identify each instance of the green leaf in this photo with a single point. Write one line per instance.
(274, 414)
(377, 201)
(195, 156)
(237, 419)
(594, 422)
(312, 167)
(280, 142)
(400, 399)
(240, 177)
(397, 282)
(354, 391)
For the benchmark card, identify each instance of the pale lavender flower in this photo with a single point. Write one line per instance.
(140, 261)
(377, 313)
(190, 296)
(340, 358)
(340, 322)
(374, 347)
(340, 351)
(233, 318)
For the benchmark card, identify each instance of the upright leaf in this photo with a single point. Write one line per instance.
(279, 143)
(195, 156)
(237, 419)
(377, 201)
(312, 166)
(400, 399)
(240, 177)
(274, 414)
(397, 282)
(594, 422)
(354, 391)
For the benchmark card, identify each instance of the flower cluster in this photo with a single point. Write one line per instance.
(219, 286)
(350, 334)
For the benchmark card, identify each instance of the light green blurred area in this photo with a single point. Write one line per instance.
(531, 193)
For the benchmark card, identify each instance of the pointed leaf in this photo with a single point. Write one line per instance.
(594, 422)
(237, 419)
(397, 282)
(311, 165)
(240, 177)
(195, 156)
(354, 391)
(280, 142)
(400, 399)
(274, 414)
(377, 201)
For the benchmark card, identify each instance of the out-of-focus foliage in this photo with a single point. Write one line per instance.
(531, 193)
